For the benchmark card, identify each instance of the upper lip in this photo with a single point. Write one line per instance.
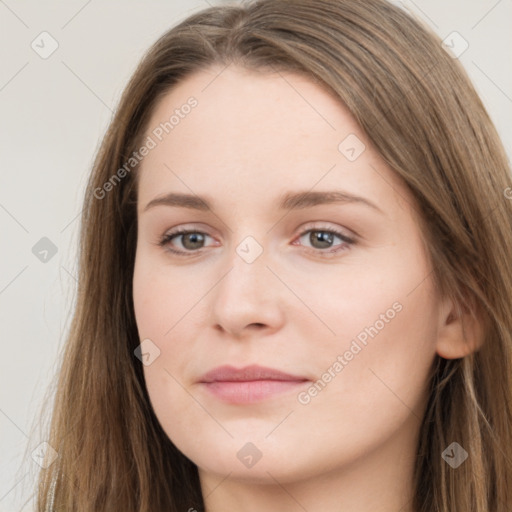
(253, 372)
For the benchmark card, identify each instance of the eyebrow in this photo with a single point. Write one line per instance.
(289, 201)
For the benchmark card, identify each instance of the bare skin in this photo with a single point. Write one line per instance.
(297, 307)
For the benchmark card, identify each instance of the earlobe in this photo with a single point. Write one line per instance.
(460, 331)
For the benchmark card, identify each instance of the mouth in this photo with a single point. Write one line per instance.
(249, 384)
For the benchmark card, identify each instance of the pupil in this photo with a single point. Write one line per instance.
(323, 237)
(195, 238)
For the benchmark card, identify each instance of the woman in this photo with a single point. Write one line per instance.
(295, 286)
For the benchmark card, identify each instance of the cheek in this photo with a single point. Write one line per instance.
(163, 312)
(159, 304)
(382, 314)
(375, 370)
(160, 297)
(385, 321)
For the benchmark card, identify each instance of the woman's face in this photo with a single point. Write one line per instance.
(284, 269)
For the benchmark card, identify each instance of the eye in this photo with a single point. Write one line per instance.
(191, 240)
(320, 238)
(323, 238)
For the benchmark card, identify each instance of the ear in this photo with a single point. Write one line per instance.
(460, 330)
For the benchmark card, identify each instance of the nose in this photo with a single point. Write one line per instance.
(248, 298)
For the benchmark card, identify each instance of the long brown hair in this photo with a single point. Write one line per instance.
(419, 109)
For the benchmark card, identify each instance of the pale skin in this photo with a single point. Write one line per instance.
(251, 139)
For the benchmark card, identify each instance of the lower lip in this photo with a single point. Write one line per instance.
(246, 392)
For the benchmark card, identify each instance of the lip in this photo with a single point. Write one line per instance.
(248, 373)
(250, 384)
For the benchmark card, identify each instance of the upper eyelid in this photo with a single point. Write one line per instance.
(347, 240)
(309, 226)
(341, 233)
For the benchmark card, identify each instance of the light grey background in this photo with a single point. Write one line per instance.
(53, 114)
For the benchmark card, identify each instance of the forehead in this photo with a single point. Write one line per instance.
(251, 132)
(243, 105)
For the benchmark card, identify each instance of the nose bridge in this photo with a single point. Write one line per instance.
(247, 261)
(246, 294)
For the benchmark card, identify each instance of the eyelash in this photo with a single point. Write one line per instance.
(166, 239)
